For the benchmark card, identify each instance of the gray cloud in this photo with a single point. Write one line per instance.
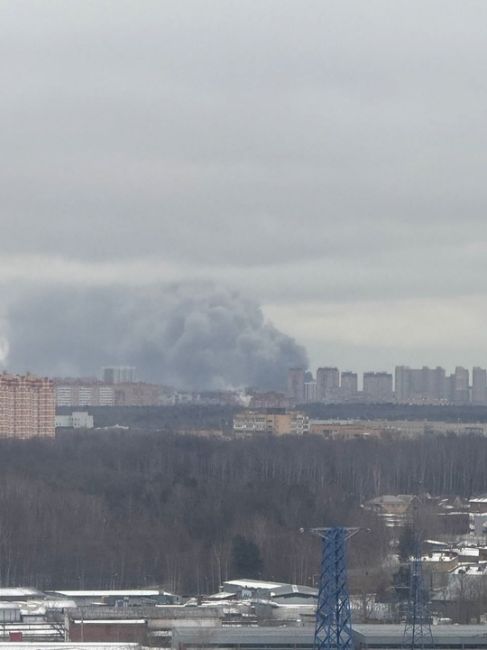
(188, 335)
(330, 152)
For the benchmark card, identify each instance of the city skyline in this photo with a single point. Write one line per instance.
(404, 385)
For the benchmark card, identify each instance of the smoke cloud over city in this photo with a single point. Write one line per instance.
(187, 334)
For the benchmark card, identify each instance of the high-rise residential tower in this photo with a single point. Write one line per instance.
(295, 384)
(118, 374)
(348, 386)
(327, 384)
(479, 386)
(378, 386)
(27, 406)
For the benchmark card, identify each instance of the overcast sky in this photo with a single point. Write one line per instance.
(327, 158)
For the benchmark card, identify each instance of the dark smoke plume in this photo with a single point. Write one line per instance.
(188, 335)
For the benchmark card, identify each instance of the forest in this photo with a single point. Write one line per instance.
(121, 509)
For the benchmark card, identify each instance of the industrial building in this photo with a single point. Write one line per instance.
(366, 637)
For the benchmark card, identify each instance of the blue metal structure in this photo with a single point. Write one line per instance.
(417, 629)
(333, 620)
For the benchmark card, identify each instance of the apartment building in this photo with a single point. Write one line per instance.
(421, 385)
(84, 393)
(327, 384)
(118, 374)
(479, 386)
(137, 394)
(378, 386)
(295, 384)
(27, 406)
(91, 392)
(348, 386)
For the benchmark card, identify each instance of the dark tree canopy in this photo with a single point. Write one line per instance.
(125, 509)
(246, 558)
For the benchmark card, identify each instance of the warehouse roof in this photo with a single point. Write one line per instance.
(380, 636)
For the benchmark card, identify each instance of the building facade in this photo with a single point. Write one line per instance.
(118, 374)
(348, 386)
(420, 385)
(479, 386)
(310, 393)
(459, 387)
(81, 392)
(295, 384)
(27, 406)
(327, 384)
(378, 386)
(270, 421)
(75, 420)
(84, 393)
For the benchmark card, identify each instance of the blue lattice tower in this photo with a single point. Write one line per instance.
(417, 629)
(333, 620)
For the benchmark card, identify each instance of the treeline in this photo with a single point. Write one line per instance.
(194, 416)
(445, 412)
(157, 418)
(99, 510)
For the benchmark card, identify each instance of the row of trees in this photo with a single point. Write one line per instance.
(122, 509)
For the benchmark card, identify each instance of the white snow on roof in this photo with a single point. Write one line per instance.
(111, 592)
(18, 592)
(254, 584)
(439, 557)
(222, 595)
(59, 604)
(60, 645)
(472, 552)
(468, 569)
(110, 621)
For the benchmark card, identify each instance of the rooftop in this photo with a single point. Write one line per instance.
(106, 593)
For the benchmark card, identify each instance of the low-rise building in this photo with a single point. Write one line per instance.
(130, 630)
(270, 421)
(349, 429)
(278, 592)
(75, 420)
(394, 509)
(478, 504)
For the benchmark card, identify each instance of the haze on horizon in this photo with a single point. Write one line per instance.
(323, 160)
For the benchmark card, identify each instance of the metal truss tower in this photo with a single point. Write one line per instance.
(333, 620)
(417, 629)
